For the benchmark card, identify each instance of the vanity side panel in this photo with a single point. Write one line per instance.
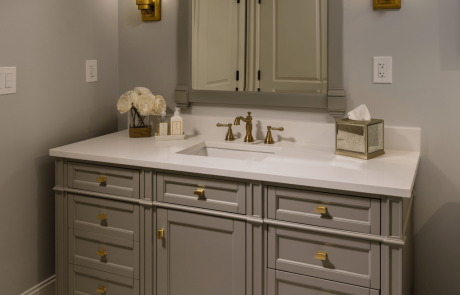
(408, 250)
(60, 228)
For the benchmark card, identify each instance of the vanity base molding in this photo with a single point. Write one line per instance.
(250, 237)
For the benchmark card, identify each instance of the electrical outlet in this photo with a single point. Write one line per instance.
(383, 70)
(91, 71)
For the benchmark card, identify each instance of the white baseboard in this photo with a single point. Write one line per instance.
(41, 287)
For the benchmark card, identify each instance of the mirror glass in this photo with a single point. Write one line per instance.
(274, 46)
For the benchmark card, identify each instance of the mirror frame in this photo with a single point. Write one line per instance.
(334, 101)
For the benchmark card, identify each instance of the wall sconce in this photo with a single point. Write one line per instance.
(150, 9)
(387, 4)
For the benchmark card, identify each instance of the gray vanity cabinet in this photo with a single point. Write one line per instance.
(200, 254)
(124, 230)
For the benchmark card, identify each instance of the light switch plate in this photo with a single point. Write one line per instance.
(7, 80)
(91, 71)
(383, 70)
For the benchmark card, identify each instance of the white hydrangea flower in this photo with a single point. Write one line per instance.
(124, 103)
(160, 104)
(146, 104)
(133, 96)
(142, 90)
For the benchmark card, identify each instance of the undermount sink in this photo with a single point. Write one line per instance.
(248, 152)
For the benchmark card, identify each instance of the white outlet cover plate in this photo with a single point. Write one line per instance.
(8, 78)
(91, 71)
(383, 69)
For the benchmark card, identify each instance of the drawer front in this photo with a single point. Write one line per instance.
(109, 254)
(283, 283)
(218, 194)
(119, 181)
(122, 219)
(342, 212)
(86, 281)
(347, 260)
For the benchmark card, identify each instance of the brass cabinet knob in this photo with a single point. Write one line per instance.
(101, 179)
(102, 253)
(102, 217)
(321, 209)
(101, 289)
(160, 234)
(321, 256)
(199, 192)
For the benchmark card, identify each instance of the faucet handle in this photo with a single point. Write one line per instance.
(229, 136)
(269, 137)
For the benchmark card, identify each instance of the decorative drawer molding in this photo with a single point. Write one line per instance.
(104, 179)
(340, 212)
(222, 195)
(121, 219)
(118, 256)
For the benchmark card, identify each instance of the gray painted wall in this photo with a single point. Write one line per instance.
(423, 38)
(48, 41)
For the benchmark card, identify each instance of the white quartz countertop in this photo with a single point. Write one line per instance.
(392, 174)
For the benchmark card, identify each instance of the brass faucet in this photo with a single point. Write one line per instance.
(248, 121)
(229, 136)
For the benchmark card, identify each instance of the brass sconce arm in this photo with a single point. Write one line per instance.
(150, 9)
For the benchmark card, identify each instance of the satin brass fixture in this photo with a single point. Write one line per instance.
(150, 9)
(102, 253)
(321, 209)
(387, 4)
(101, 289)
(269, 137)
(229, 136)
(321, 256)
(101, 179)
(102, 217)
(160, 234)
(248, 121)
(199, 192)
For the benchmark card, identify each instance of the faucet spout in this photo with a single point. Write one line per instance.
(248, 121)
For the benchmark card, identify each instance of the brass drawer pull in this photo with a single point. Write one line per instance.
(321, 256)
(101, 179)
(102, 217)
(199, 192)
(102, 253)
(101, 289)
(321, 209)
(160, 234)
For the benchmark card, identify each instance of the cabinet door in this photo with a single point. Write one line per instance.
(218, 44)
(200, 254)
(293, 46)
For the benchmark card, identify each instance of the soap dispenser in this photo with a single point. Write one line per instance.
(163, 124)
(176, 123)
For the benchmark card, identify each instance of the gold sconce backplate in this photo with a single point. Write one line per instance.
(150, 9)
(387, 4)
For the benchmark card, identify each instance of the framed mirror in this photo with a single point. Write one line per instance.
(262, 52)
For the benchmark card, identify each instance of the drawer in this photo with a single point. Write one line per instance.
(342, 212)
(122, 219)
(218, 194)
(119, 181)
(347, 260)
(86, 281)
(284, 283)
(109, 254)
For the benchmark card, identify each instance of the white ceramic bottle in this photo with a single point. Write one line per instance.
(176, 123)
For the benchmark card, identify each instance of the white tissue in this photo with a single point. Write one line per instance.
(361, 113)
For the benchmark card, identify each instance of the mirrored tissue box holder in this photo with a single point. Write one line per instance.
(359, 139)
